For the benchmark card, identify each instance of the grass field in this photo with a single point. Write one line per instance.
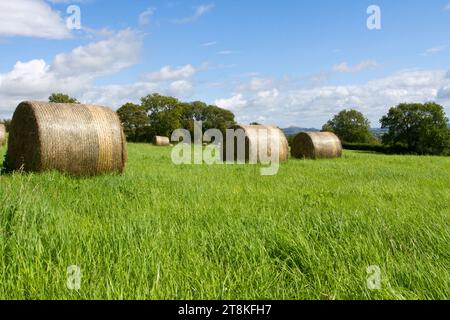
(225, 232)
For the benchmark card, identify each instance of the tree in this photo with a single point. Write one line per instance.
(212, 117)
(134, 120)
(350, 126)
(167, 114)
(164, 114)
(422, 128)
(61, 98)
(218, 118)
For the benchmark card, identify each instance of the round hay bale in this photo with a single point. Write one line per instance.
(255, 139)
(2, 134)
(161, 141)
(316, 145)
(77, 139)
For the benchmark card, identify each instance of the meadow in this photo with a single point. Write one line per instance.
(162, 231)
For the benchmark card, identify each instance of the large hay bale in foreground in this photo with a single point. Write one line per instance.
(316, 145)
(2, 134)
(257, 140)
(161, 141)
(73, 138)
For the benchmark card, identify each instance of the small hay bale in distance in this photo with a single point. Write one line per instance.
(316, 145)
(161, 141)
(78, 139)
(254, 138)
(2, 134)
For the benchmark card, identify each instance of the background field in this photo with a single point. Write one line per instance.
(179, 232)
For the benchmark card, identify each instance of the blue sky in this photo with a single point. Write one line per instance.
(283, 62)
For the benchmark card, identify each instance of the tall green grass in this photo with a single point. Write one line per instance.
(162, 231)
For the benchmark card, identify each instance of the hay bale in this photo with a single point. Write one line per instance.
(161, 141)
(73, 138)
(256, 140)
(2, 134)
(316, 145)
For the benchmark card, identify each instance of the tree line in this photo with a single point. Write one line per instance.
(414, 127)
(409, 127)
(159, 115)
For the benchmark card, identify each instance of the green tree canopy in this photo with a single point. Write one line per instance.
(134, 120)
(350, 126)
(163, 112)
(61, 98)
(422, 128)
(161, 115)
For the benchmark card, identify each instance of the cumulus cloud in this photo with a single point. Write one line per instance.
(345, 68)
(170, 73)
(314, 106)
(76, 72)
(257, 84)
(233, 103)
(72, 72)
(100, 58)
(31, 18)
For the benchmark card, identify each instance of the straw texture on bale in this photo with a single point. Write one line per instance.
(260, 138)
(72, 138)
(316, 145)
(161, 141)
(2, 134)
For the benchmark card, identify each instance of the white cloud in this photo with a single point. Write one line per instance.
(225, 52)
(432, 51)
(345, 68)
(144, 17)
(31, 18)
(447, 7)
(256, 83)
(199, 11)
(235, 102)
(209, 44)
(100, 58)
(181, 88)
(73, 72)
(287, 105)
(76, 72)
(168, 73)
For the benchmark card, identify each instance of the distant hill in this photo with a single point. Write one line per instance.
(294, 130)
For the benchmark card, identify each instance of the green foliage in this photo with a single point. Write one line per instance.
(376, 147)
(162, 231)
(161, 115)
(61, 98)
(350, 126)
(164, 114)
(421, 128)
(134, 120)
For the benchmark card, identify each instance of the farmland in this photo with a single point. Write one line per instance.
(162, 231)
